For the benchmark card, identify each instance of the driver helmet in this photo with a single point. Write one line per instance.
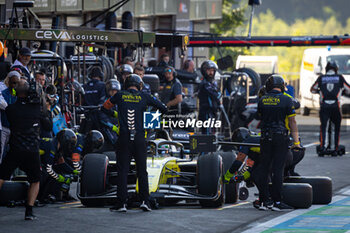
(94, 140)
(240, 134)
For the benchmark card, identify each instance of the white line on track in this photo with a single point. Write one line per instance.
(273, 222)
(311, 144)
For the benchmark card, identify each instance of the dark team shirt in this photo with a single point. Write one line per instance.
(274, 109)
(330, 87)
(48, 151)
(252, 151)
(146, 88)
(209, 98)
(131, 106)
(171, 90)
(95, 93)
(25, 120)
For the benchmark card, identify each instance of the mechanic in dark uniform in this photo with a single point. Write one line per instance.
(252, 168)
(140, 71)
(171, 93)
(88, 143)
(61, 160)
(245, 136)
(277, 118)
(24, 142)
(95, 89)
(110, 119)
(124, 71)
(330, 88)
(131, 105)
(95, 95)
(209, 94)
(56, 173)
(252, 120)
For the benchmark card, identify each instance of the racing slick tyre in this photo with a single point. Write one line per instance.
(111, 155)
(297, 195)
(321, 186)
(231, 190)
(255, 79)
(13, 191)
(210, 179)
(93, 178)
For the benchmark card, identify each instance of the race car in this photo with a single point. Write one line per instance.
(173, 174)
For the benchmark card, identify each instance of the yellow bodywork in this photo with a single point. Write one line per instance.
(159, 172)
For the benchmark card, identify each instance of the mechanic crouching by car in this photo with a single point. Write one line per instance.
(171, 90)
(252, 168)
(24, 141)
(330, 87)
(61, 161)
(277, 118)
(131, 104)
(56, 173)
(209, 94)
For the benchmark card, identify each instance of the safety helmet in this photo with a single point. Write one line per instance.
(240, 134)
(113, 84)
(208, 64)
(275, 81)
(96, 71)
(262, 91)
(94, 140)
(126, 68)
(332, 65)
(67, 140)
(133, 80)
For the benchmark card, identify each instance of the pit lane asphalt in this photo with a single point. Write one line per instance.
(72, 217)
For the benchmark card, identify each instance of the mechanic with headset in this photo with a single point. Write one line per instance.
(252, 119)
(172, 89)
(88, 143)
(56, 173)
(95, 89)
(124, 71)
(277, 118)
(24, 141)
(209, 94)
(131, 104)
(330, 87)
(61, 160)
(110, 119)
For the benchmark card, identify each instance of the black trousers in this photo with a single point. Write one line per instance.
(274, 150)
(136, 148)
(330, 115)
